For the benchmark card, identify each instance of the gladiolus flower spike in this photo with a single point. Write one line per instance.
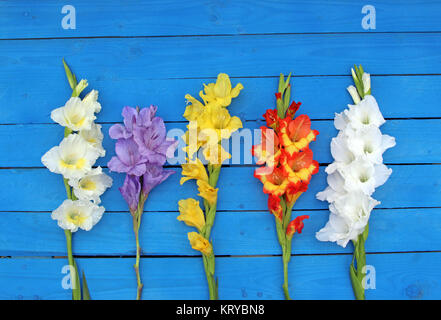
(289, 166)
(210, 123)
(355, 173)
(74, 159)
(141, 151)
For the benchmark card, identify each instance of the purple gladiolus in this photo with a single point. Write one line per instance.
(128, 159)
(154, 176)
(130, 191)
(141, 151)
(132, 119)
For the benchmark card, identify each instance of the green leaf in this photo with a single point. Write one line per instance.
(287, 251)
(76, 290)
(286, 100)
(358, 73)
(211, 263)
(217, 286)
(281, 83)
(365, 233)
(86, 293)
(356, 284)
(287, 82)
(280, 232)
(70, 76)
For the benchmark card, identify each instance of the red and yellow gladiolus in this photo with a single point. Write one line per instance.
(269, 150)
(288, 168)
(296, 134)
(275, 207)
(296, 225)
(299, 166)
(274, 180)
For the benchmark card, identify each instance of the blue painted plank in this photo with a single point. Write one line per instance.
(418, 142)
(21, 190)
(234, 233)
(202, 57)
(398, 276)
(38, 96)
(20, 19)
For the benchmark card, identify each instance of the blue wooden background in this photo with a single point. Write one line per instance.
(139, 53)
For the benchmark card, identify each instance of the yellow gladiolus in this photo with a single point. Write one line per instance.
(220, 92)
(191, 213)
(199, 243)
(219, 120)
(194, 109)
(215, 154)
(207, 192)
(193, 170)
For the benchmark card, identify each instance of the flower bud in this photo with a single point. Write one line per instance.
(366, 83)
(354, 94)
(296, 225)
(79, 88)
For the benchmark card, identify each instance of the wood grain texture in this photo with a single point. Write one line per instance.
(234, 233)
(398, 276)
(19, 19)
(408, 186)
(244, 56)
(321, 96)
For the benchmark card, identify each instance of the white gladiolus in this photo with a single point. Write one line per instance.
(75, 115)
(356, 171)
(73, 158)
(362, 175)
(369, 143)
(95, 137)
(91, 186)
(348, 218)
(364, 114)
(72, 215)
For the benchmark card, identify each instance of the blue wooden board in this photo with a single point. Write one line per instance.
(154, 52)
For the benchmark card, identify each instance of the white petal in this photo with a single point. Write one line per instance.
(388, 142)
(339, 149)
(340, 121)
(381, 175)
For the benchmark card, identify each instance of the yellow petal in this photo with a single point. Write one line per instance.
(191, 213)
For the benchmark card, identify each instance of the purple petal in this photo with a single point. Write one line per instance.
(127, 151)
(129, 114)
(145, 116)
(154, 176)
(118, 131)
(117, 166)
(130, 191)
(138, 170)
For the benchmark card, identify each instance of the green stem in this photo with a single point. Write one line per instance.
(212, 286)
(285, 243)
(285, 278)
(74, 276)
(210, 214)
(138, 255)
(356, 268)
(136, 225)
